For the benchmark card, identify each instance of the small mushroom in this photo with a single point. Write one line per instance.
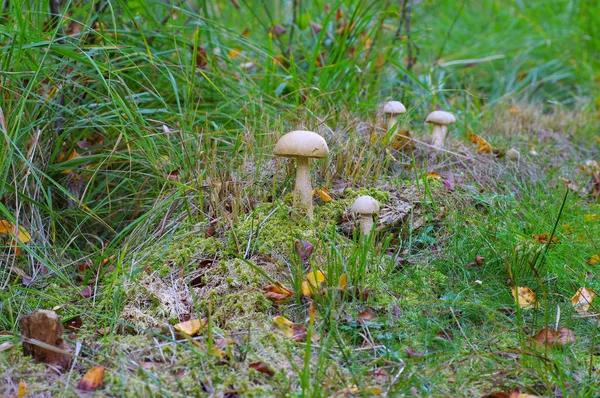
(302, 145)
(365, 207)
(392, 109)
(513, 154)
(440, 121)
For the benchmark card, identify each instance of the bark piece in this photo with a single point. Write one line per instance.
(44, 326)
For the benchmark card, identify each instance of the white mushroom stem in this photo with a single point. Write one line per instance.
(439, 134)
(366, 223)
(303, 188)
(391, 122)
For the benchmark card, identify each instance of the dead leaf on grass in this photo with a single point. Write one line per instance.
(595, 259)
(482, 145)
(191, 327)
(544, 238)
(312, 282)
(262, 368)
(324, 195)
(92, 379)
(525, 297)
(548, 337)
(367, 315)
(583, 299)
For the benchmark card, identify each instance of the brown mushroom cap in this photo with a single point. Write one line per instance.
(440, 117)
(301, 143)
(394, 108)
(365, 205)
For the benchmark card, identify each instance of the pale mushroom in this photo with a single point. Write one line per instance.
(513, 154)
(302, 145)
(392, 109)
(440, 121)
(365, 207)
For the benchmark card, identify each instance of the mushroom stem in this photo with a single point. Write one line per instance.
(391, 123)
(303, 188)
(439, 134)
(366, 224)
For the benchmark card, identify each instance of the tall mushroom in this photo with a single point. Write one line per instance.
(440, 121)
(365, 207)
(392, 109)
(302, 145)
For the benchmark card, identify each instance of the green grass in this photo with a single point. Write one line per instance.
(173, 110)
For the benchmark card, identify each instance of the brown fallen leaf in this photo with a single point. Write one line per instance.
(324, 195)
(412, 353)
(544, 238)
(92, 379)
(262, 368)
(86, 292)
(548, 337)
(367, 315)
(482, 145)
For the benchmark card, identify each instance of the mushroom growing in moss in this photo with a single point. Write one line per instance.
(392, 109)
(302, 145)
(440, 121)
(365, 207)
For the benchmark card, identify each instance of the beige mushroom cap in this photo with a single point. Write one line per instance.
(365, 205)
(440, 117)
(301, 143)
(394, 107)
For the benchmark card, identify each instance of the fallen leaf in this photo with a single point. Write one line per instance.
(92, 379)
(433, 175)
(276, 298)
(412, 353)
(191, 327)
(279, 289)
(343, 281)
(324, 195)
(482, 145)
(73, 324)
(304, 249)
(285, 325)
(261, 367)
(367, 315)
(548, 337)
(402, 140)
(583, 299)
(312, 282)
(595, 259)
(22, 389)
(544, 238)
(234, 53)
(86, 292)
(525, 297)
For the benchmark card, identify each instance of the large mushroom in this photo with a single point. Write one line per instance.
(440, 121)
(302, 145)
(365, 207)
(392, 109)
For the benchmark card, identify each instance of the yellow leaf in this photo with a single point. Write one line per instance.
(483, 145)
(582, 299)
(91, 379)
(324, 195)
(311, 282)
(434, 176)
(343, 281)
(191, 327)
(525, 297)
(234, 53)
(72, 156)
(6, 227)
(595, 259)
(285, 325)
(22, 389)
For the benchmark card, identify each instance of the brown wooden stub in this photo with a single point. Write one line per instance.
(44, 326)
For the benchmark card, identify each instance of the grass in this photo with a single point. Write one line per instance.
(132, 128)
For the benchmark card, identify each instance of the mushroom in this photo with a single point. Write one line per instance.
(365, 207)
(440, 121)
(392, 109)
(513, 154)
(302, 145)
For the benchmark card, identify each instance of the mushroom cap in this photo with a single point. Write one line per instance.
(440, 117)
(365, 205)
(394, 107)
(301, 143)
